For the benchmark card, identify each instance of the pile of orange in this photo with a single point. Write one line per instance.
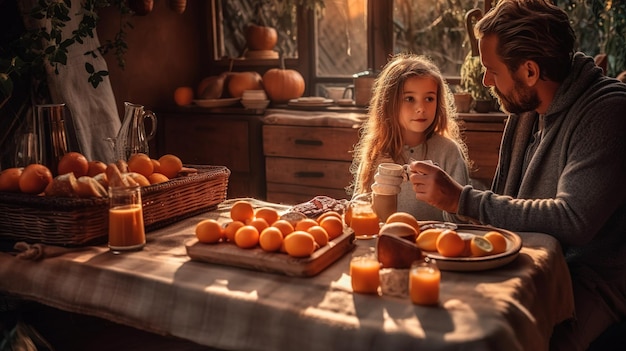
(155, 170)
(262, 227)
(449, 243)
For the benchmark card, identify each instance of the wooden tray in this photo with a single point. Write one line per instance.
(274, 262)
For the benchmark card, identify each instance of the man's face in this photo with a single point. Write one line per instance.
(512, 92)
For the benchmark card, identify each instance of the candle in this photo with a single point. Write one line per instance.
(424, 279)
(364, 271)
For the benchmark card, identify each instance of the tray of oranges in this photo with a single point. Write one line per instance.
(262, 239)
(467, 247)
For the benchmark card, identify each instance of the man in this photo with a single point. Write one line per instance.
(562, 159)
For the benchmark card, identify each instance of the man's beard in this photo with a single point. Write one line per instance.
(520, 99)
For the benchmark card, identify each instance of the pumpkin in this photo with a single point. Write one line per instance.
(261, 37)
(240, 81)
(282, 85)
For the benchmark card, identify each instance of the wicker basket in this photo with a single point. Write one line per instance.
(79, 222)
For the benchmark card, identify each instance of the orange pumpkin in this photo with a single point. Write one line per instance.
(282, 85)
(261, 37)
(240, 81)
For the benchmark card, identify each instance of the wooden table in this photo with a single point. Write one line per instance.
(161, 290)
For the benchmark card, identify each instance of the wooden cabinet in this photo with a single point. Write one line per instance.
(482, 133)
(217, 138)
(302, 162)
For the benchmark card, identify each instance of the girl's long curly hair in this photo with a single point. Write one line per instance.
(380, 135)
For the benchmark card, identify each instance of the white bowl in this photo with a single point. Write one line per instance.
(255, 104)
(254, 95)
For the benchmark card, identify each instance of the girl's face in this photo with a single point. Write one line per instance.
(418, 107)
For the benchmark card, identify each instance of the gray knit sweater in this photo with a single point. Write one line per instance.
(575, 185)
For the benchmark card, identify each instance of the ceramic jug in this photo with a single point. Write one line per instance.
(52, 139)
(132, 137)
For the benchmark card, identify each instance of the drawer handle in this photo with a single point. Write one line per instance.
(308, 142)
(309, 174)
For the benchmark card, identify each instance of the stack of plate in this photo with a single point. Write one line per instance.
(254, 99)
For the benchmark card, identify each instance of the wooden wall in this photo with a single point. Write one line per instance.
(165, 50)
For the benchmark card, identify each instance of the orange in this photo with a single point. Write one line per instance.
(299, 244)
(95, 168)
(271, 239)
(73, 162)
(35, 178)
(479, 246)
(170, 165)
(284, 225)
(156, 178)
(328, 213)
(141, 163)
(305, 224)
(404, 218)
(242, 210)
(427, 239)
(319, 234)
(497, 240)
(450, 244)
(156, 165)
(333, 226)
(10, 179)
(259, 224)
(138, 178)
(247, 237)
(209, 231)
(231, 228)
(183, 96)
(267, 213)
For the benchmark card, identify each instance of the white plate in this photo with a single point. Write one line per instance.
(466, 264)
(216, 102)
(310, 103)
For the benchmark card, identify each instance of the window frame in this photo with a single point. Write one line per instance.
(379, 36)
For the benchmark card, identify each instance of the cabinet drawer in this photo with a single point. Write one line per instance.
(309, 142)
(483, 148)
(322, 173)
(211, 142)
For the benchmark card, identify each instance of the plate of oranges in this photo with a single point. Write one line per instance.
(467, 247)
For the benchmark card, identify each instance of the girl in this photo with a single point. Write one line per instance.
(411, 117)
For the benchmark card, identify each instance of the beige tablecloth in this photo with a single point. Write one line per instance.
(160, 290)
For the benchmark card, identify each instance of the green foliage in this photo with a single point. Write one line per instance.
(600, 27)
(472, 78)
(27, 57)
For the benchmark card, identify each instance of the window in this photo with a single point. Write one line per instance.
(348, 36)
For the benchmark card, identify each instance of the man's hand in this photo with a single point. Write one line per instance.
(434, 186)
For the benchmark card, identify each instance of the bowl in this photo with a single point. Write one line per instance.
(254, 95)
(255, 104)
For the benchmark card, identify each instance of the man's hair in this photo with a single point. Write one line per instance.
(533, 30)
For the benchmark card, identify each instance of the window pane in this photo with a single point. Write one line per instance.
(435, 28)
(238, 14)
(342, 38)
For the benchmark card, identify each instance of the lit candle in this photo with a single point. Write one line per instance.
(364, 271)
(424, 281)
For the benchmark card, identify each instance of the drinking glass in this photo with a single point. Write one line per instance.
(424, 279)
(126, 226)
(362, 218)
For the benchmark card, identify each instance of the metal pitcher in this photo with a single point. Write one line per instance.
(51, 129)
(132, 137)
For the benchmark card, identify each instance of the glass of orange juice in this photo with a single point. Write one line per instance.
(126, 227)
(363, 219)
(364, 273)
(424, 279)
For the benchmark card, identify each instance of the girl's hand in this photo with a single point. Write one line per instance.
(434, 186)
